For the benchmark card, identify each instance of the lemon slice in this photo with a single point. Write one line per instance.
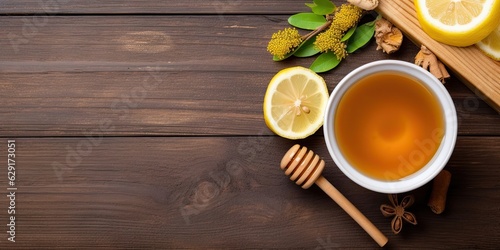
(491, 44)
(295, 103)
(458, 22)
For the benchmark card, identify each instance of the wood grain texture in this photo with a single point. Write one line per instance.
(138, 125)
(168, 75)
(219, 7)
(477, 70)
(228, 193)
(133, 103)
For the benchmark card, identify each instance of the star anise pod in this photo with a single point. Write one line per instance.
(398, 211)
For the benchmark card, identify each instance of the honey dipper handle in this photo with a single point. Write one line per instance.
(352, 211)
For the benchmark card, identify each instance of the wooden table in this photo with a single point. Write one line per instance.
(138, 124)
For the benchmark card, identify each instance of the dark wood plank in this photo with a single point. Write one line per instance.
(219, 7)
(164, 103)
(226, 193)
(90, 42)
(151, 75)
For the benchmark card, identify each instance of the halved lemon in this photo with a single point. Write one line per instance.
(491, 44)
(458, 22)
(295, 103)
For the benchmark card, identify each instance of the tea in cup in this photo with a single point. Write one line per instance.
(390, 126)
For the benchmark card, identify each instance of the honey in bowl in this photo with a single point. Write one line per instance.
(388, 125)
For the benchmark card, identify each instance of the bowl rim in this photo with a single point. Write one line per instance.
(437, 162)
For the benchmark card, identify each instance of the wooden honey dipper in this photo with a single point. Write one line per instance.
(304, 168)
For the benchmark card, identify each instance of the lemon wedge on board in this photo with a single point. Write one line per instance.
(491, 44)
(458, 22)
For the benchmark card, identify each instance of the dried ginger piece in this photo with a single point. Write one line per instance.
(427, 60)
(388, 37)
(364, 4)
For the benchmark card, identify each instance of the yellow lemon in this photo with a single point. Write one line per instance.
(491, 44)
(295, 103)
(458, 22)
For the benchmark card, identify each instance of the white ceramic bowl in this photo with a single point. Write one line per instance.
(437, 162)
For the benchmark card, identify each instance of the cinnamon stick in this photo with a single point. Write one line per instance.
(440, 184)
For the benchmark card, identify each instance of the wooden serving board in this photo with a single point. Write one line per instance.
(479, 72)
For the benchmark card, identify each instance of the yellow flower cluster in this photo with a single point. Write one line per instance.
(331, 40)
(283, 42)
(346, 16)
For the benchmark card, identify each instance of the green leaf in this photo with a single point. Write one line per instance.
(325, 62)
(307, 48)
(307, 21)
(348, 34)
(321, 7)
(311, 5)
(361, 36)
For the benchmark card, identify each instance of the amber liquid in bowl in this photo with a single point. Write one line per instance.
(388, 125)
